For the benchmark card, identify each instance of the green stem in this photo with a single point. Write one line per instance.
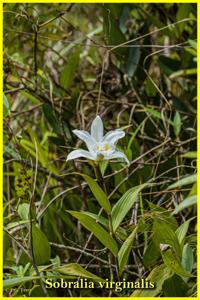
(101, 181)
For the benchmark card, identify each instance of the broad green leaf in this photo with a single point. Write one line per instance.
(23, 211)
(164, 234)
(98, 193)
(184, 181)
(101, 234)
(151, 255)
(125, 250)
(124, 15)
(114, 10)
(121, 232)
(158, 275)
(124, 204)
(9, 283)
(177, 123)
(174, 287)
(6, 107)
(190, 201)
(41, 247)
(74, 269)
(113, 34)
(172, 262)
(182, 230)
(183, 12)
(163, 214)
(187, 258)
(69, 70)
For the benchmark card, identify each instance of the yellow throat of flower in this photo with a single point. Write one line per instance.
(105, 147)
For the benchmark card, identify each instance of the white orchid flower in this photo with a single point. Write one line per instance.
(101, 147)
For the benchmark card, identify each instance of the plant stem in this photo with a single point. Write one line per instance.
(101, 181)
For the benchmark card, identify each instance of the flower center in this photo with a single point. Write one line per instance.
(104, 147)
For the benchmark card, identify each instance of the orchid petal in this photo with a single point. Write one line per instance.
(113, 136)
(97, 129)
(79, 153)
(86, 137)
(118, 154)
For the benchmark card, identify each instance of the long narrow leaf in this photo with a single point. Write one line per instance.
(101, 234)
(125, 250)
(184, 181)
(98, 193)
(125, 203)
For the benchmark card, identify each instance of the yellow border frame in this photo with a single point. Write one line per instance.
(1, 134)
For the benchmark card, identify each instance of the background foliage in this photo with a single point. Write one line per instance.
(60, 65)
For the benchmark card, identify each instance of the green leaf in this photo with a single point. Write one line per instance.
(101, 234)
(124, 204)
(125, 250)
(74, 269)
(69, 70)
(190, 154)
(11, 152)
(132, 61)
(168, 65)
(157, 275)
(121, 232)
(6, 245)
(177, 123)
(31, 97)
(134, 135)
(151, 255)
(190, 201)
(184, 181)
(174, 287)
(164, 234)
(9, 283)
(156, 114)
(23, 211)
(150, 89)
(51, 117)
(113, 34)
(183, 12)
(41, 247)
(98, 193)
(172, 262)
(163, 214)
(193, 44)
(6, 106)
(182, 73)
(182, 230)
(187, 258)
